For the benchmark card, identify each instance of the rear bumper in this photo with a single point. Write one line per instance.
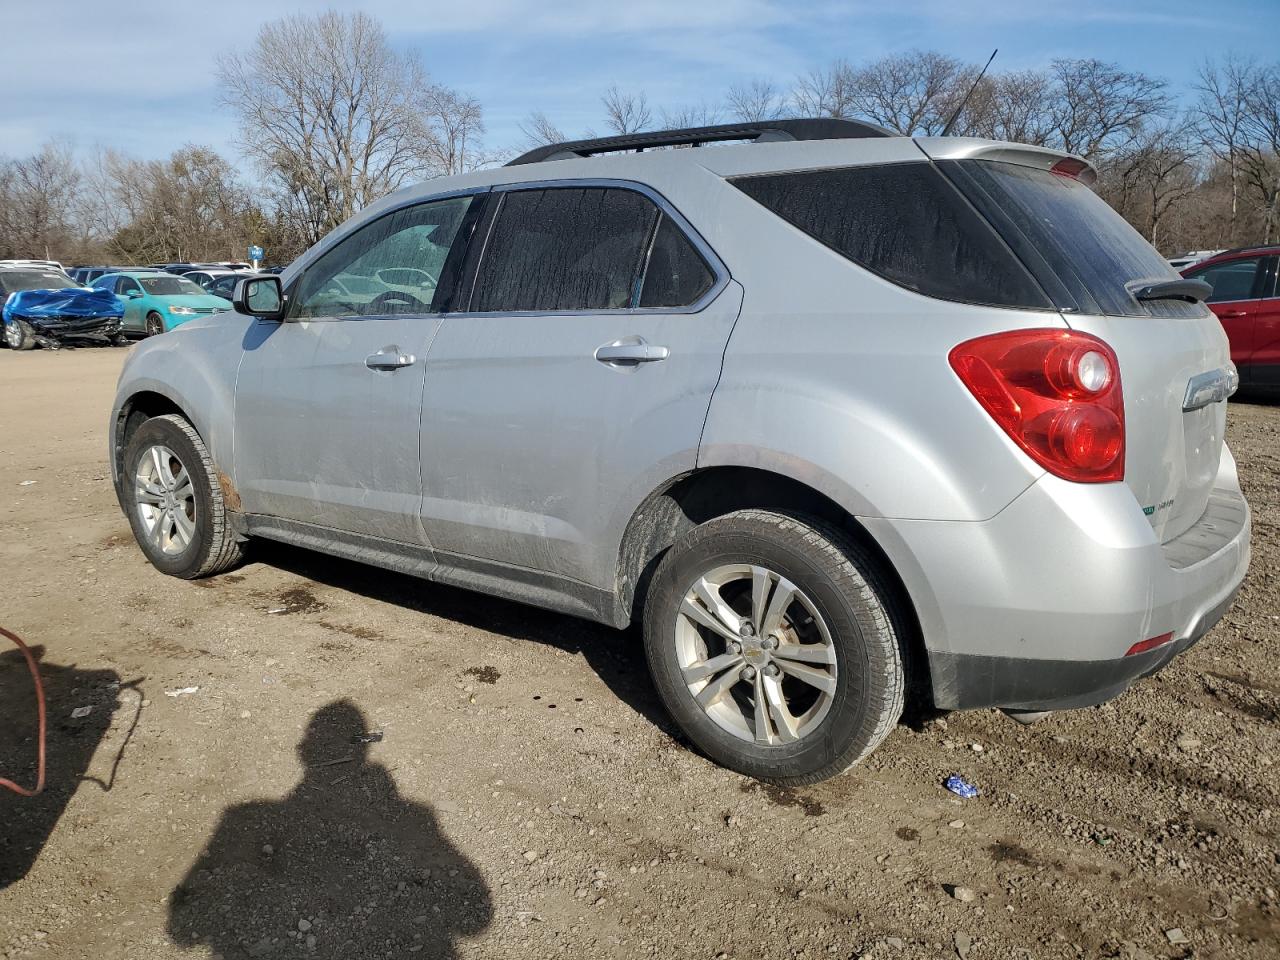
(1036, 608)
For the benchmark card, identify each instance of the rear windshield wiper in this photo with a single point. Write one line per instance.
(1192, 291)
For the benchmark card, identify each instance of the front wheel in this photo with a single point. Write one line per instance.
(155, 324)
(174, 500)
(18, 335)
(771, 641)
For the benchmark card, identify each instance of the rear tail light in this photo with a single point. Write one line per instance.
(1069, 167)
(1056, 393)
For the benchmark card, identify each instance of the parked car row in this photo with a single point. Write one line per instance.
(44, 305)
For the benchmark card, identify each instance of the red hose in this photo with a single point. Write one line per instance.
(35, 676)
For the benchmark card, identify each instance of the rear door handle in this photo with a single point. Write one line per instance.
(631, 351)
(1232, 314)
(389, 358)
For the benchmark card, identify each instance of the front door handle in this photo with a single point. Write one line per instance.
(1232, 314)
(631, 351)
(389, 358)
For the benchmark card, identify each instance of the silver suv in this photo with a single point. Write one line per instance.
(840, 417)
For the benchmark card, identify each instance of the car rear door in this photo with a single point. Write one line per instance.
(329, 401)
(575, 377)
(1235, 301)
(1265, 362)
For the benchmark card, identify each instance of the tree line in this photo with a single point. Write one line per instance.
(330, 118)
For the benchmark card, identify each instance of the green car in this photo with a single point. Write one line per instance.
(155, 301)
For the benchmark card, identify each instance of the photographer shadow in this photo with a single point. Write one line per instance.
(343, 866)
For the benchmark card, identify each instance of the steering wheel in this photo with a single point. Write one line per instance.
(398, 296)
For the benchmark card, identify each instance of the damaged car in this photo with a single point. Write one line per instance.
(45, 307)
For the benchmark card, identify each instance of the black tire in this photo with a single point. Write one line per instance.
(18, 335)
(155, 324)
(215, 546)
(841, 580)
(119, 340)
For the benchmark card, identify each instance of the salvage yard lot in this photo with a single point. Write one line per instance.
(528, 797)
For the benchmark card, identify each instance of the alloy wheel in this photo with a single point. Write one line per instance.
(166, 500)
(755, 654)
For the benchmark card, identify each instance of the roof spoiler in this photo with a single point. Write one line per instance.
(1042, 158)
(765, 131)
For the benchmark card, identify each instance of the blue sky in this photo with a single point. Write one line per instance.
(141, 78)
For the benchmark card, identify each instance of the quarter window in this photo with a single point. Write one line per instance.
(389, 267)
(1232, 280)
(676, 274)
(904, 222)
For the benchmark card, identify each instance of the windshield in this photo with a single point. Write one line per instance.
(1083, 253)
(11, 281)
(170, 286)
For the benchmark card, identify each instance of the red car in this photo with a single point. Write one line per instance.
(1247, 301)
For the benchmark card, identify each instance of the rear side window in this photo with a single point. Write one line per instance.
(1081, 251)
(676, 274)
(905, 222)
(1233, 280)
(565, 249)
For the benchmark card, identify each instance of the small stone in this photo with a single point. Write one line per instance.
(268, 849)
(897, 943)
(245, 714)
(1176, 936)
(956, 824)
(531, 855)
(964, 894)
(581, 893)
(146, 703)
(1188, 743)
(976, 747)
(304, 925)
(963, 944)
(311, 941)
(601, 901)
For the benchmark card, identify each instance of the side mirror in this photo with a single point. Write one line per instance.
(133, 294)
(259, 297)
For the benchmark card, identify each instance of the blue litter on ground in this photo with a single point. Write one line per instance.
(961, 787)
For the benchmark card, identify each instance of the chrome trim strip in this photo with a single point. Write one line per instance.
(1212, 386)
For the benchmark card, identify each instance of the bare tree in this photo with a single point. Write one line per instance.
(38, 202)
(1221, 112)
(912, 93)
(1011, 106)
(756, 101)
(1152, 175)
(334, 116)
(1098, 106)
(457, 124)
(824, 92)
(697, 115)
(626, 112)
(539, 130)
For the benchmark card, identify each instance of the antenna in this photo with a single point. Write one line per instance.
(955, 116)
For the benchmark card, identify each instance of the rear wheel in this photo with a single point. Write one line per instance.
(771, 641)
(18, 335)
(175, 501)
(155, 324)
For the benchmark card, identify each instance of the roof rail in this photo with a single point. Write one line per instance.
(764, 131)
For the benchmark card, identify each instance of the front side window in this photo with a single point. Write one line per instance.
(389, 267)
(905, 222)
(1232, 280)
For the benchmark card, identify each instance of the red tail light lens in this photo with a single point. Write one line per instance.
(1056, 393)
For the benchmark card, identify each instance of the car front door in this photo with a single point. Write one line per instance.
(329, 401)
(1235, 301)
(574, 379)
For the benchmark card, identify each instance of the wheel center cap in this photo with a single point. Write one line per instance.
(753, 651)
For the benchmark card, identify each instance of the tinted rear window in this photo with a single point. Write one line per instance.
(905, 222)
(1082, 252)
(676, 275)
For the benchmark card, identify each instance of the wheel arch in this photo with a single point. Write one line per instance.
(692, 498)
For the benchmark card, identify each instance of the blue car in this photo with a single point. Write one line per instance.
(155, 301)
(44, 306)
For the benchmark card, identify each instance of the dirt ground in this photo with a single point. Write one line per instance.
(528, 798)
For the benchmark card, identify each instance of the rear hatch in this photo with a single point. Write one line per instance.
(1090, 262)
